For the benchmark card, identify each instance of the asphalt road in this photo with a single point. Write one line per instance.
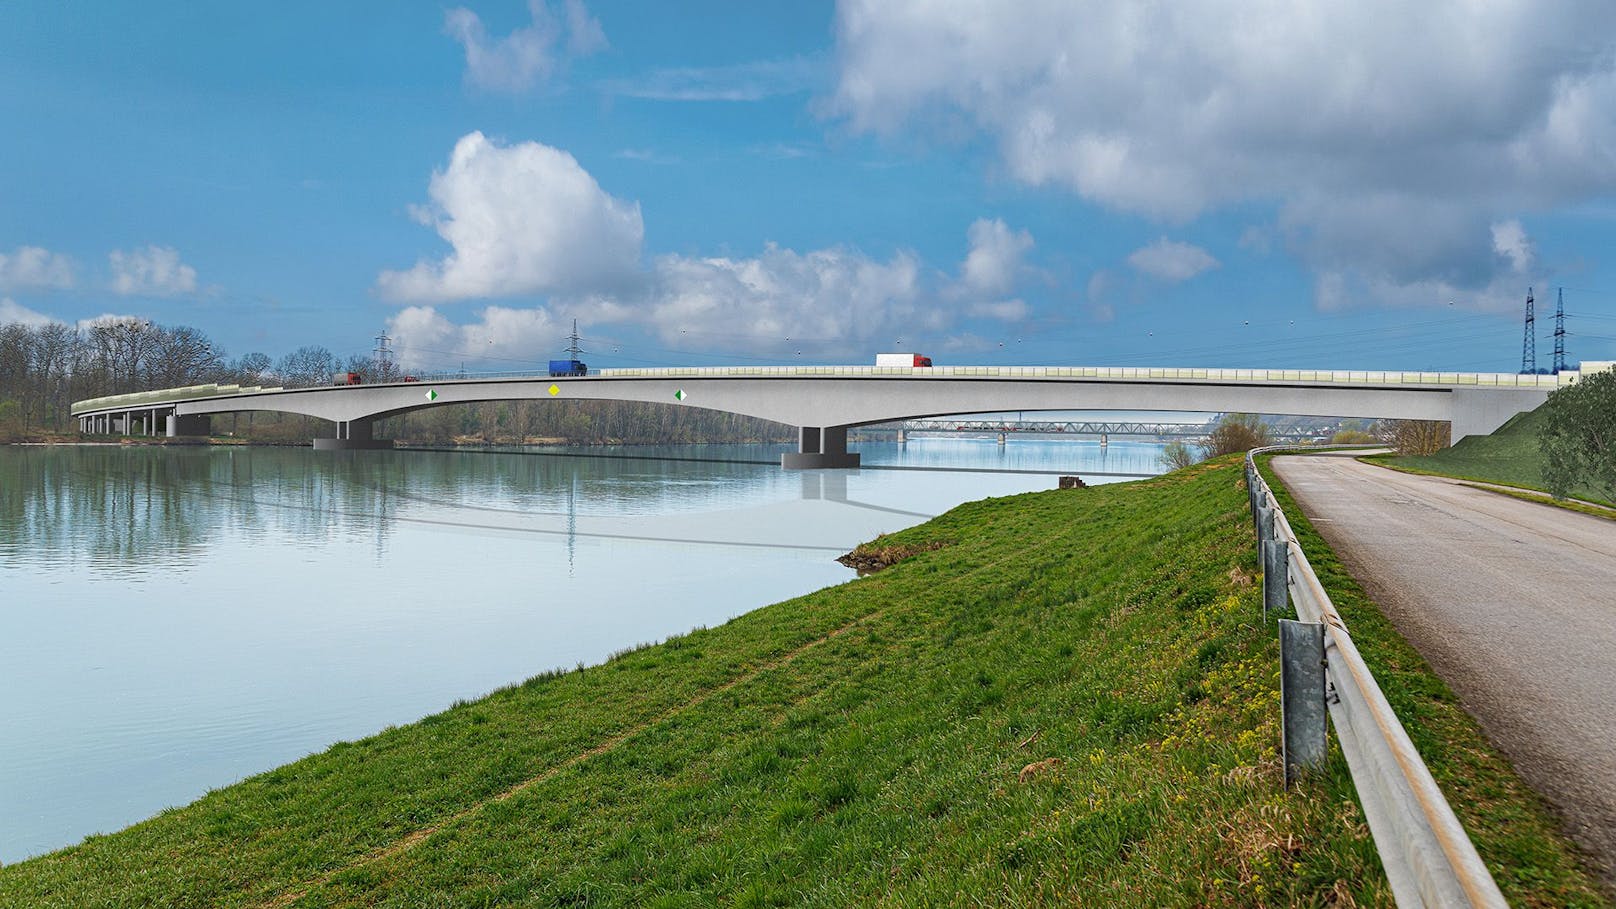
(1512, 603)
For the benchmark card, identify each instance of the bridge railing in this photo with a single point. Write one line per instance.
(139, 399)
(1362, 377)
(1429, 859)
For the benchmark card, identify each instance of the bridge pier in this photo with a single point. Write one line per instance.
(821, 448)
(189, 425)
(353, 435)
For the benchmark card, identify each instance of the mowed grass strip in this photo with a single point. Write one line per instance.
(1509, 457)
(1073, 703)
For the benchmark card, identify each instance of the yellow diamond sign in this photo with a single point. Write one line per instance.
(554, 389)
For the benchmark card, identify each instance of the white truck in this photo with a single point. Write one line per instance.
(902, 359)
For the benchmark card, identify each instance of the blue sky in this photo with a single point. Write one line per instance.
(1347, 185)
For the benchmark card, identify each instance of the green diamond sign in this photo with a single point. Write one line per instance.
(679, 395)
(431, 394)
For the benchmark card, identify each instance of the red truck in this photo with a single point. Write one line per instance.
(347, 378)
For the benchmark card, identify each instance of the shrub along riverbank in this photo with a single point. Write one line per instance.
(1509, 456)
(1072, 700)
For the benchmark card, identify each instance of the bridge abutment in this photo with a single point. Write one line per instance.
(821, 448)
(353, 435)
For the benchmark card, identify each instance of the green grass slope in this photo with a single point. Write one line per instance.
(1508, 456)
(1072, 702)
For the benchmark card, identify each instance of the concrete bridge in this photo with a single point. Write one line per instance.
(824, 401)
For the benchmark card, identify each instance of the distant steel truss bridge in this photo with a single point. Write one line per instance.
(1101, 428)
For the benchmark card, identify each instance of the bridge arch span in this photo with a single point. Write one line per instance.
(825, 401)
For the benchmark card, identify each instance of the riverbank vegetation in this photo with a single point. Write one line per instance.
(1511, 455)
(1073, 701)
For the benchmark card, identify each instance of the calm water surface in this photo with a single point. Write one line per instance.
(173, 620)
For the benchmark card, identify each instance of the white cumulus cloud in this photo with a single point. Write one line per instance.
(1510, 242)
(529, 54)
(13, 312)
(1171, 261)
(825, 295)
(1389, 137)
(995, 257)
(35, 268)
(523, 218)
(155, 271)
(423, 337)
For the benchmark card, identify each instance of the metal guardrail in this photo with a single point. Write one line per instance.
(1362, 377)
(1429, 859)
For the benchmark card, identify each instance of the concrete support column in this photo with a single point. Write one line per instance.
(353, 435)
(821, 448)
(191, 425)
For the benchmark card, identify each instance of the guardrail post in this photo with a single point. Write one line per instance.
(1251, 493)
(1301, 696)
(1276, 570)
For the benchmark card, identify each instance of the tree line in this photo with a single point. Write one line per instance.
(45, 368)
(1241, 432)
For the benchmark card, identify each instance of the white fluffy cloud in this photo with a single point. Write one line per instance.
(155, 271)
(1390, 137)
(825, 295)
(424, 337)
(995, 257)
(11, 311)
(1171, 261)
(524, 218)
(774, 304)
(528, 219)
(528, 55)
(35, 268)
(1511, 243)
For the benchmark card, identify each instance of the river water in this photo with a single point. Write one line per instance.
(175, 619)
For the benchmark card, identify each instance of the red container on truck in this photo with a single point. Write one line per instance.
(347, 378)
(902, 359)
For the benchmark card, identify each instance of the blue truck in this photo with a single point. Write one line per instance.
(568, 368)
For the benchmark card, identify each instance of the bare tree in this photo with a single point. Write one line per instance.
(1178, 455)
(1237, 432)
(183, 356)
(252, 368)
(307, 366)
(1416, 437)
(124, 348)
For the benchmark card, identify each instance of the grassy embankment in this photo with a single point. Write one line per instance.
(1072, 702)
(1508, 457)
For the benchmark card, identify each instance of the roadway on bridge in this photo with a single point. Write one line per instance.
(1512, 603)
